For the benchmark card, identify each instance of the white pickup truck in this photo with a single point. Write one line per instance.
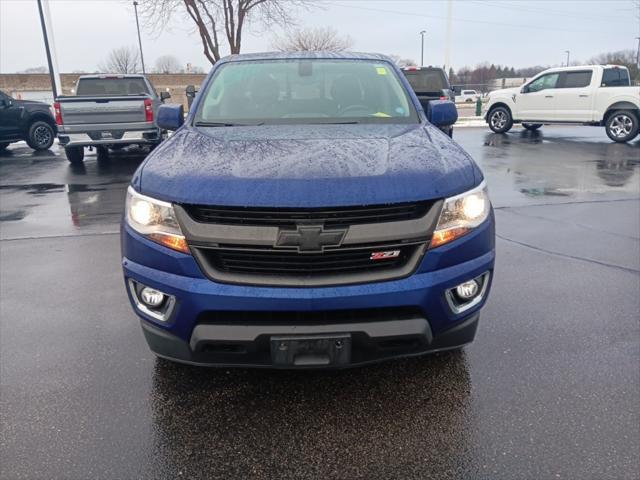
(599, 95)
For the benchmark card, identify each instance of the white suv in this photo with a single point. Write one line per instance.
(599, 95)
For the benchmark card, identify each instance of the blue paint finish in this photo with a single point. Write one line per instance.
(170, 117)
(308, 166)
(442, 113)
(196, 295)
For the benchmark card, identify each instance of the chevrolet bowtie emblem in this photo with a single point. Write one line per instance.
(309, 238)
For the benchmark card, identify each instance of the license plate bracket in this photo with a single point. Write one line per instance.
(311, 350)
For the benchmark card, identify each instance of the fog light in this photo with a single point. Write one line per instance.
(151, 297)
(467, 290)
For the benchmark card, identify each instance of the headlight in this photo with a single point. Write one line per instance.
(155, 220)
(461, 214)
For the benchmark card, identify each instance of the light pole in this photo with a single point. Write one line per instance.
(47, 50)
(567, 52)
(135, 6)
(422, 32)
(638, 53)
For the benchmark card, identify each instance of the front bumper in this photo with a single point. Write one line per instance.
(198, 321)
(249, 345)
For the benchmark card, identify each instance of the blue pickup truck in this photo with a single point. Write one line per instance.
(308, 213)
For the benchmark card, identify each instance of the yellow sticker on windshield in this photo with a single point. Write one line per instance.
(381, 70)
(380, 114)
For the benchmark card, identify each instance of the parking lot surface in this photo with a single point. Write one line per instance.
(549, 389)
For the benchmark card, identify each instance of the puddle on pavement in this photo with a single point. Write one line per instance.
(568, 166)
(90, 196)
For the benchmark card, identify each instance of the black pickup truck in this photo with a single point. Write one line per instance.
(430, 83)
(26, 120)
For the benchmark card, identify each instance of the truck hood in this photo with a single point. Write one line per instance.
(306, 166)
(505, 92)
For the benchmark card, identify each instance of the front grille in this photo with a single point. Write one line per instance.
(290, 217)
(308, 247)
(269, 261)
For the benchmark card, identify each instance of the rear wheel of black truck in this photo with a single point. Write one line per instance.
(74, 154)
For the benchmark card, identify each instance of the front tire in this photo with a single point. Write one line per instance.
(40, 136)
(532, 127)
(74, 154)
(500, 120)
(622, 126)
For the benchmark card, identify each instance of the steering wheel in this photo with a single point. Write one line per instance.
(352, 109)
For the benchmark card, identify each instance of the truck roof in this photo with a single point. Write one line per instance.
(112, 75)
(582, 67)
(304, 56)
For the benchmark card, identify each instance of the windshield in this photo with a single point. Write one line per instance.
(111, 86)
(305, 91)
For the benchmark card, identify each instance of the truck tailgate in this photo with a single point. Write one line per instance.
(102, 110)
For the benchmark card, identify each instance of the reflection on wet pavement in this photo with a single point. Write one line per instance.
(53, 197)
(310, 416)
(555, 164)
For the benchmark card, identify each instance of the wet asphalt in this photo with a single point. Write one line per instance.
(549, 389)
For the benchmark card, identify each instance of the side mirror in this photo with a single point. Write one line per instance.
(456, 89)
(170, 117)
(442, 113)
(525, 89)
(191, 94)
(164, 95)
(5, 103)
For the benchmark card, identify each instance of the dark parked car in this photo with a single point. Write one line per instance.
(430, 83)
(26, 120)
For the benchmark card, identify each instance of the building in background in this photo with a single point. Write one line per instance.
(37, 86)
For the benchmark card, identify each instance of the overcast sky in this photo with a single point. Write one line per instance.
(514, 32)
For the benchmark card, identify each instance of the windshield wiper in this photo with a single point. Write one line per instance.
(225, 124)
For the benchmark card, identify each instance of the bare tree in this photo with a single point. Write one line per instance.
(121, 60)
(402, 62)
(313, 39)
(35, 70)
(622, 57)
(220, 22)
(168, 64)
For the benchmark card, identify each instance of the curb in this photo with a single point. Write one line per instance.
(470, 122)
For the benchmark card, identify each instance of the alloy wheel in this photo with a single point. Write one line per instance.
(621, 126)
(42, 135)
(498, 119)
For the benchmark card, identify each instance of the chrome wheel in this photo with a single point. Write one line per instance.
(621, 126)
(498, 120)
(42, 135)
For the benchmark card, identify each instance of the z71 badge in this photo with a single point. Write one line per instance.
(385, 255)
